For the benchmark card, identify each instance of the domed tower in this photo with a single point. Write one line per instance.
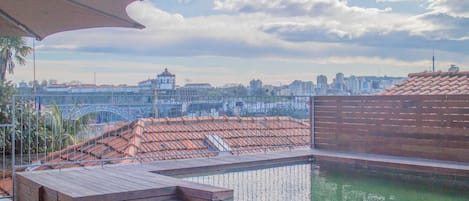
(166, 81)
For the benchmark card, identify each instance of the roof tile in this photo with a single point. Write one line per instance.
(175, 138)
(432, 83)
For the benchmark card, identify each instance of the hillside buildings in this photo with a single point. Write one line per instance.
(321, 85)
(164, 84)
(194, 89)
(357, 85)
(255, 88)
(301, 88)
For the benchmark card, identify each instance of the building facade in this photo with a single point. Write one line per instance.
(166, 81)
(321, 85)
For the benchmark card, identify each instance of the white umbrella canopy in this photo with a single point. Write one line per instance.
(40, 18)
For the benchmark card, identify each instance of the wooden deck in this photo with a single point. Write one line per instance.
(152, 181)
(111, 184)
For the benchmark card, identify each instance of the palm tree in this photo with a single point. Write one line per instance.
(12, 50)
(61, 131)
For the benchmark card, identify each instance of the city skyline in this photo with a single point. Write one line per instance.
(164, 83)
(177, 83)
(234, 41)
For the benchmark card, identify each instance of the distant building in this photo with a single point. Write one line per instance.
(301, 88)
(198, 86)
(340, 78)
(166, 83)
(255, 88)
(233, 90)
(365, 85)
(355, 85)
(322, 81)
(147, 86)
(146, 83)
(339, 82)
(270, 90)
(89, 88)
(194, 89)
(321, 85)
(352, 85)
(282, 91)
(255, 84)
(52, 82)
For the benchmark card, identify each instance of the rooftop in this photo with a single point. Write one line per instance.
(432, 83)
(155, 139)
(176, 138)
(166, 73)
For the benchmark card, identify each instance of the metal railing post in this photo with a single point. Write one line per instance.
(13, 141)
(311, 121)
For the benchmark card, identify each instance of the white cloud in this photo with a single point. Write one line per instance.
(393, 1)
(295, 7)
(184, 1)
(164, 28)
(287, 27)
(323, 32)
(454, 8)
(332, 17)
(176, 35)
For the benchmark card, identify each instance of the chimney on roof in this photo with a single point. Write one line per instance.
(453, 69)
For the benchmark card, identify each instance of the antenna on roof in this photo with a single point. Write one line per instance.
(433, 61)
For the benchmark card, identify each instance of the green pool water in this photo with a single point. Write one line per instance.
(304, 182)
(352, 186)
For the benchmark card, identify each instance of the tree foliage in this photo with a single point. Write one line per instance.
(13, 50)
(36, 131)
(7, 90)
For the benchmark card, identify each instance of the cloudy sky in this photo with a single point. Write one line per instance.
(233, 41)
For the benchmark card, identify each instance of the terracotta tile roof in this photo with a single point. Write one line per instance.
(177, 138)
(6, 184)
(432, 83)
(166, 73)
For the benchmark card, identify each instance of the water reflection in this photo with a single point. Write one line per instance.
(352, 186)
(290, 183)
(305, 182)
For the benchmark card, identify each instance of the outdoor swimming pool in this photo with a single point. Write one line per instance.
(301, 182)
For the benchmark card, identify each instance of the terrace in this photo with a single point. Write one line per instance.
(144, 158)
(141, 147)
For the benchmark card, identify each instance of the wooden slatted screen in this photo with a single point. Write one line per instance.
(433, 127)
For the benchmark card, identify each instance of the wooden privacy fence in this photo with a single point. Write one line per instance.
(425, 126)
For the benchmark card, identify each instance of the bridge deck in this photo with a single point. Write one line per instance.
(138, 181)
